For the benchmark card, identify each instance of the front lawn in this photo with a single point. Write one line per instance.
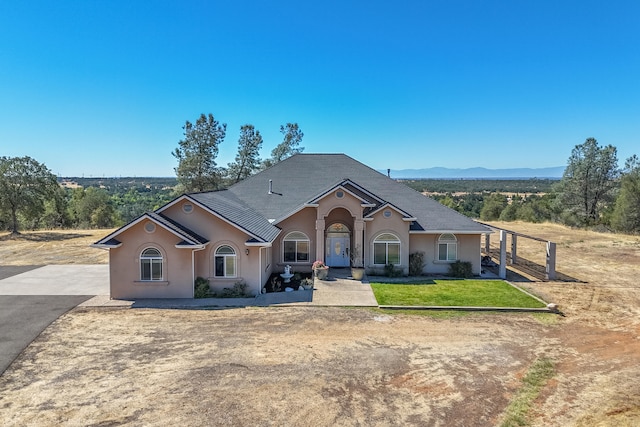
(468, 293)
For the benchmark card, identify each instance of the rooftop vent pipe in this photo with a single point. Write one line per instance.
(270, 186)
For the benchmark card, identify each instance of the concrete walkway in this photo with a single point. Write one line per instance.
(341, 290)
(338, 290)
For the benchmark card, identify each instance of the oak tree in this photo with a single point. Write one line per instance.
(25, 185)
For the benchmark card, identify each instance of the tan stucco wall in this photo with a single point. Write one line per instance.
(256, 266)
(303, 221)
(124, 265)
(394, 225)
(468, 250)
(219, 232)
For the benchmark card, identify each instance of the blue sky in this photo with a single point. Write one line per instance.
(103, 88)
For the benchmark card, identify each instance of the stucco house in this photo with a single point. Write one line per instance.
(308, 207)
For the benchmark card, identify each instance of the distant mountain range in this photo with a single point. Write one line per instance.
(477, 173)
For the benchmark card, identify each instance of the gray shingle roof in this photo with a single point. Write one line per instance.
(236, 211)
(302, 177)
(188, 237)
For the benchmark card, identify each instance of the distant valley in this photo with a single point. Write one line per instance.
(477, 173)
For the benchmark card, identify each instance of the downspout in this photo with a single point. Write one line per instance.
(193, 270)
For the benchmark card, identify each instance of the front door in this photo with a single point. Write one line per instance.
(337, 251)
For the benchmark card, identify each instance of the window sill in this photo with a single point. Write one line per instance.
(151, 283)
(437, 261)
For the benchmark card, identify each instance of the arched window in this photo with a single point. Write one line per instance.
(151, 265)
(386, 249)
(447, 247)
(295, 247)
(225, 262)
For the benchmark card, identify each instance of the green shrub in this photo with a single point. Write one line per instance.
(461, 269)
(416, 263)
(390, 270)
(201, 288)
(239, 290)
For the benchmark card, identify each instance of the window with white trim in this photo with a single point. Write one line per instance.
(225, 262)
(386, 249)
(295, 247)
(447, 247)
(151, 265)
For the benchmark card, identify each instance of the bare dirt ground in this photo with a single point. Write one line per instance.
(335, 366)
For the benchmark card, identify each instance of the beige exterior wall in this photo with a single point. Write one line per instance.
(124, 265)
(178, 267)
(303, 221)
(468, 250)
(181, 266)
(382, 224)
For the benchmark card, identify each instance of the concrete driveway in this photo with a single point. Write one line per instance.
(58, 280)
(32, 297)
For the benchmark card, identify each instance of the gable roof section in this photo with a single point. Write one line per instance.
(355, 190)
(187, 237)
(301, 178)
(236, 212)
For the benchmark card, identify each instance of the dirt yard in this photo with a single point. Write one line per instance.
(305, 366)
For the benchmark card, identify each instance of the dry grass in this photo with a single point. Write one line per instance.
(52, 247)
(325, 366)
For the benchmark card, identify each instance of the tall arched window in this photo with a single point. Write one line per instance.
(225, 262)
(151, 264)
(295, 246)
(386, 249)
(447, 247)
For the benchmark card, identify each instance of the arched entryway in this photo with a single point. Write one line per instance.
(338, 245)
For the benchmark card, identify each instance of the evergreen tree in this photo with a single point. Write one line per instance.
(626, 215)
(247, 160)
(197, 152)
(588, 183)
(289, 146)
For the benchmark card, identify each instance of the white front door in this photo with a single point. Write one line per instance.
(337, 252)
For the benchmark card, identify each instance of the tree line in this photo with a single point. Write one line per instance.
(196, 154)
(31, 196)
(593, 192)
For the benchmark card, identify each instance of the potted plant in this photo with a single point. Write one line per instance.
(357, 270)
(320, 270)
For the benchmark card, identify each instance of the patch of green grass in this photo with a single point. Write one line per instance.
(547, 319)
(536, 377)
(477, 293)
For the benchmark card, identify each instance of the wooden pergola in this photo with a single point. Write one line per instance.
(550, 265)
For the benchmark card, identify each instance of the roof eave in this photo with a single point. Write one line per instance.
(105, 246)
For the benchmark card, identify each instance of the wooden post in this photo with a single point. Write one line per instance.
(551, 261)
(503, 255)
(514, 248)
(487, 243)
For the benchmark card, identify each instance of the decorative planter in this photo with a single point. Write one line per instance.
(357, 273)
(321, 273)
